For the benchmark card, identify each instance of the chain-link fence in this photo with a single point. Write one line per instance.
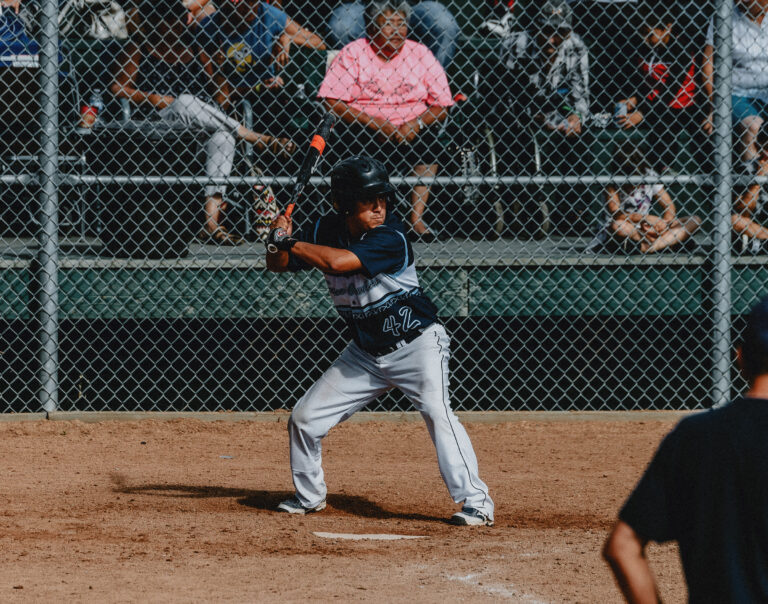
(583, 183)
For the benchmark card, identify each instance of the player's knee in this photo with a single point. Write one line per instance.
(223, 141)
(300, 419)
(436, 413)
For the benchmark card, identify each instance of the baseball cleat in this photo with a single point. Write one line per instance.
(294, 506)
(471, 517)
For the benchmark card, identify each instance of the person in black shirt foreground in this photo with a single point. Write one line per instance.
(707, 489)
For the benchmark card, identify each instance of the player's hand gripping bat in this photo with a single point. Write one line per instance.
(316, 148)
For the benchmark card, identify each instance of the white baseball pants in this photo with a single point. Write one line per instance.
(420, 370)
(220, 148)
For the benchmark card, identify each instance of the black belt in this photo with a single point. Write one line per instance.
(380, 352)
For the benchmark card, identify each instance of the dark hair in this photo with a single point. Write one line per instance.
(157, 17)
(230, 20)
(754, 349)
(655, 16)
(376, 8)
(630, 162)
(161, 10)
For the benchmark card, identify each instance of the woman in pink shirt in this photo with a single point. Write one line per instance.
(390, 93)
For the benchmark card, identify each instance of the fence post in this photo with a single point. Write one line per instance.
(48, 257)
(721, 333)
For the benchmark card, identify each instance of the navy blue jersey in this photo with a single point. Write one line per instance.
(707, 489)
(382, 303)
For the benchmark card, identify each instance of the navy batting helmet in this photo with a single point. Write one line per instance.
(358, 178)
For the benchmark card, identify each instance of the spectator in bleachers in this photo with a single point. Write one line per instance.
(430, 23)
(159, 73)
(245, 44)
(391, 94)
(551, 69)
(545, 89)
(749, 74)
(629, 221)
(751, 204)
(664, 92)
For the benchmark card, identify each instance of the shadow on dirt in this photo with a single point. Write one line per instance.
(269, 500)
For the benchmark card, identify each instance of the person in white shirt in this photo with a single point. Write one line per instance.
(629, 218)
(750, 206)
(750, 73)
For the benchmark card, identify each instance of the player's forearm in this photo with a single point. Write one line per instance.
(635, 580)
(278, 262)
(625, 553)
(328, 259)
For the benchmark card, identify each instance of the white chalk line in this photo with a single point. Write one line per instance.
(504, 591)
(367, 537)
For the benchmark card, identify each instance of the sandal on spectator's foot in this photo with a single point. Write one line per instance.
(220, 236)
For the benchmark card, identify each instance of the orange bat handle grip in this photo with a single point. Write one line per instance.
(289, 210)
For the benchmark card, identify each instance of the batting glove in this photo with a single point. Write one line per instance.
(279, 239)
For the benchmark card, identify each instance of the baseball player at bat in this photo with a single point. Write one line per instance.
(396, 338)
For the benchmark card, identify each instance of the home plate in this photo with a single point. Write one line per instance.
(370, 537)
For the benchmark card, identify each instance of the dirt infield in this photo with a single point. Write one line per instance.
(182, 511)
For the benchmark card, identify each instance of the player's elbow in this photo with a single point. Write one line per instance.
(337, 266)
(622, 544)
(340, 262)
(611, 550)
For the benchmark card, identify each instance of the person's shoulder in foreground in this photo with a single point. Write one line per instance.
(707, 489)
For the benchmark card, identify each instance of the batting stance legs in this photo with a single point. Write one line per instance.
(420, 370)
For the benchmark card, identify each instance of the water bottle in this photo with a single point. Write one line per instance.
(620, 111)
(97, 101)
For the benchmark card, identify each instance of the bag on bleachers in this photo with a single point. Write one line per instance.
(98, 19)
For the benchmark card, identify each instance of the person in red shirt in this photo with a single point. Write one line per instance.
(665, 93)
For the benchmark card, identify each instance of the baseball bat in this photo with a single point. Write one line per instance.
(308, 165)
